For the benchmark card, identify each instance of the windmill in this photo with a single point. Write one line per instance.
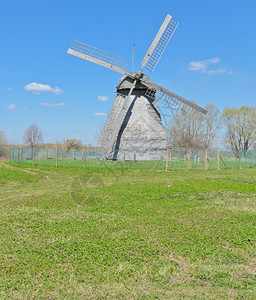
(134, 124)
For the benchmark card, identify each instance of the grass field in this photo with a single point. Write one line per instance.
(173, 163)
(74, 233)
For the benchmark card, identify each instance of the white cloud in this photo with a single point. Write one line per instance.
(100, 114)
(102, 98)
(220, 70)
(12, 107)
(60, 105)
(15, 107)
(204, 65)
(38, 88)
(9, 88)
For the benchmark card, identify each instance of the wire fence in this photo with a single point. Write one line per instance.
(170, 159)
(4, 150)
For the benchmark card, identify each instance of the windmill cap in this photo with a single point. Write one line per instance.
(125, 83)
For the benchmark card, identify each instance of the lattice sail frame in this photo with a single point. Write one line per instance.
(172, 102)
(161, 45)
(98, 56)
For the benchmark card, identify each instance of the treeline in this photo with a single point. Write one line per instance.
(33, 138)
(234, 129)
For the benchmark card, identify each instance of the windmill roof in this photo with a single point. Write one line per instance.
(127, 80)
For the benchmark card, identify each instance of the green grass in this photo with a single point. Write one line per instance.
(101, 232)
(173, 164)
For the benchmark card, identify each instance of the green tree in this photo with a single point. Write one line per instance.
(240, 127)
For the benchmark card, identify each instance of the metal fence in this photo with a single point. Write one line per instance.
(173, 158)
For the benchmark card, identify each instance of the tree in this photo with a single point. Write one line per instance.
(211, 125)
(33, 136)
(195, 130)
(240, 127)
(73, 144)
(100, 133)
(3, 143)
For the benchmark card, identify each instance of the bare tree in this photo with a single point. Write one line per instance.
(33, 137)
(211, 125)
(194, 130)
(99, 133)
(185, 131)
(73, 144)
(3, 144)
(240, 127)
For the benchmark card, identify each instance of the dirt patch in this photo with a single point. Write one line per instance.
(3, 165)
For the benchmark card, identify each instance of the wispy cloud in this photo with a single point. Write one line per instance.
(9, 88)
(100, 114)
(15, 107)
(38, 88)
(12, 107)
(103, 98)
(204, 66)
(220, 70)
(60, 105)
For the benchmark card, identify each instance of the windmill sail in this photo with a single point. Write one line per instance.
(172, 100)
(97, 56)
(159, 44)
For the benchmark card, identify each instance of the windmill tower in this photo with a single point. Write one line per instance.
(134, 124)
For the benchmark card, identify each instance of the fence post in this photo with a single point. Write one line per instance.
(218, 159)
(206, 159)
(85, 158)
(33, 155)
(18, 154)
(22, 153)
(10, 154)
(167, 159)
(57, 154)
(170, 158)
(239, 153)
(189, 159)
(251, 158)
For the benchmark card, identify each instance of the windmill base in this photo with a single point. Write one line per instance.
(141, 135)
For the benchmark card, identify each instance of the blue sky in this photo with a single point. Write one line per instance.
(210, 58)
